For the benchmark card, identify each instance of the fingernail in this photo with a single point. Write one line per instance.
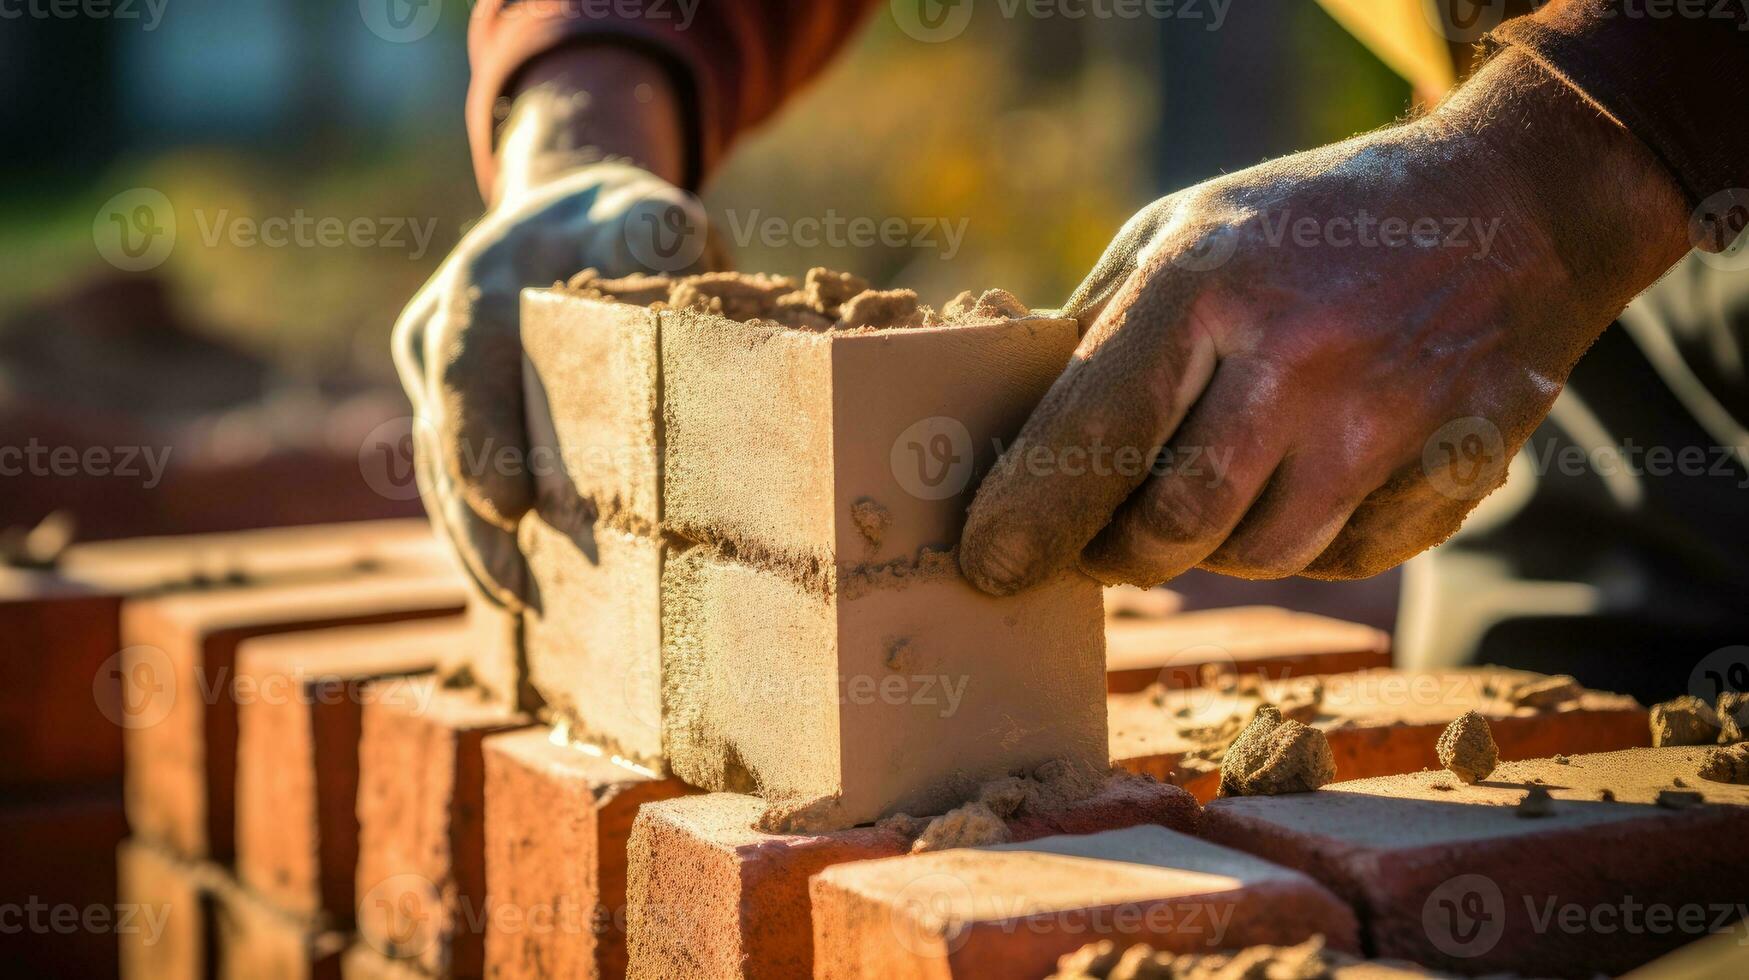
(1002, 563)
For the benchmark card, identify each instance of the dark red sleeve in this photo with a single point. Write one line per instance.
(1673, 72)
(736, 60)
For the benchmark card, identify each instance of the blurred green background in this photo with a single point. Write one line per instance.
(1035, 138)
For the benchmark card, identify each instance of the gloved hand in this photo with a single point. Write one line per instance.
(459, 354)
(1339, 350)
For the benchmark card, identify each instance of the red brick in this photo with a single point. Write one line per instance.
(1177, 651)
(557, 820)
(1379, 722)
(60, 855)
(1009, 911)
(55, 684)
(202, 562)
(300, 712)
(255, 940)
(179, 664)
(1454, 878)
(170, 931)
(60, 691)
(710, 896)
(421, 827)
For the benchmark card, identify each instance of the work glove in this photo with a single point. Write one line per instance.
(1318, 366)
(458, 348)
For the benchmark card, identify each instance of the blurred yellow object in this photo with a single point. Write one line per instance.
(1405, 37)
(1719, 957)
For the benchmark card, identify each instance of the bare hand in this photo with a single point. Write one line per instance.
(1319, 365)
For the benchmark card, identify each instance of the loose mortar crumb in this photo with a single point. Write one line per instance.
(1467, 748)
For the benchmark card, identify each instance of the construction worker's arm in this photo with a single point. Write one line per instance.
(1336, 353)
(586, 120)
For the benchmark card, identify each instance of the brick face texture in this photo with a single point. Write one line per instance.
(1009, 911)
(557, 820)
(1379, 722)
(297, 772)
(1456, 879)
(709, 896)
(180, 666)
(421, 812)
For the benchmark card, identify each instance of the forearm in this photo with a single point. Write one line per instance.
(731, 62)
(586, 102)
(1607, 209)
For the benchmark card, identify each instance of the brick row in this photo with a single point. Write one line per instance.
(421, 877)
(301, 704)
(179, 663)
(1009, 911)
(1378, 722)
(1619, 865)
(710, 895)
